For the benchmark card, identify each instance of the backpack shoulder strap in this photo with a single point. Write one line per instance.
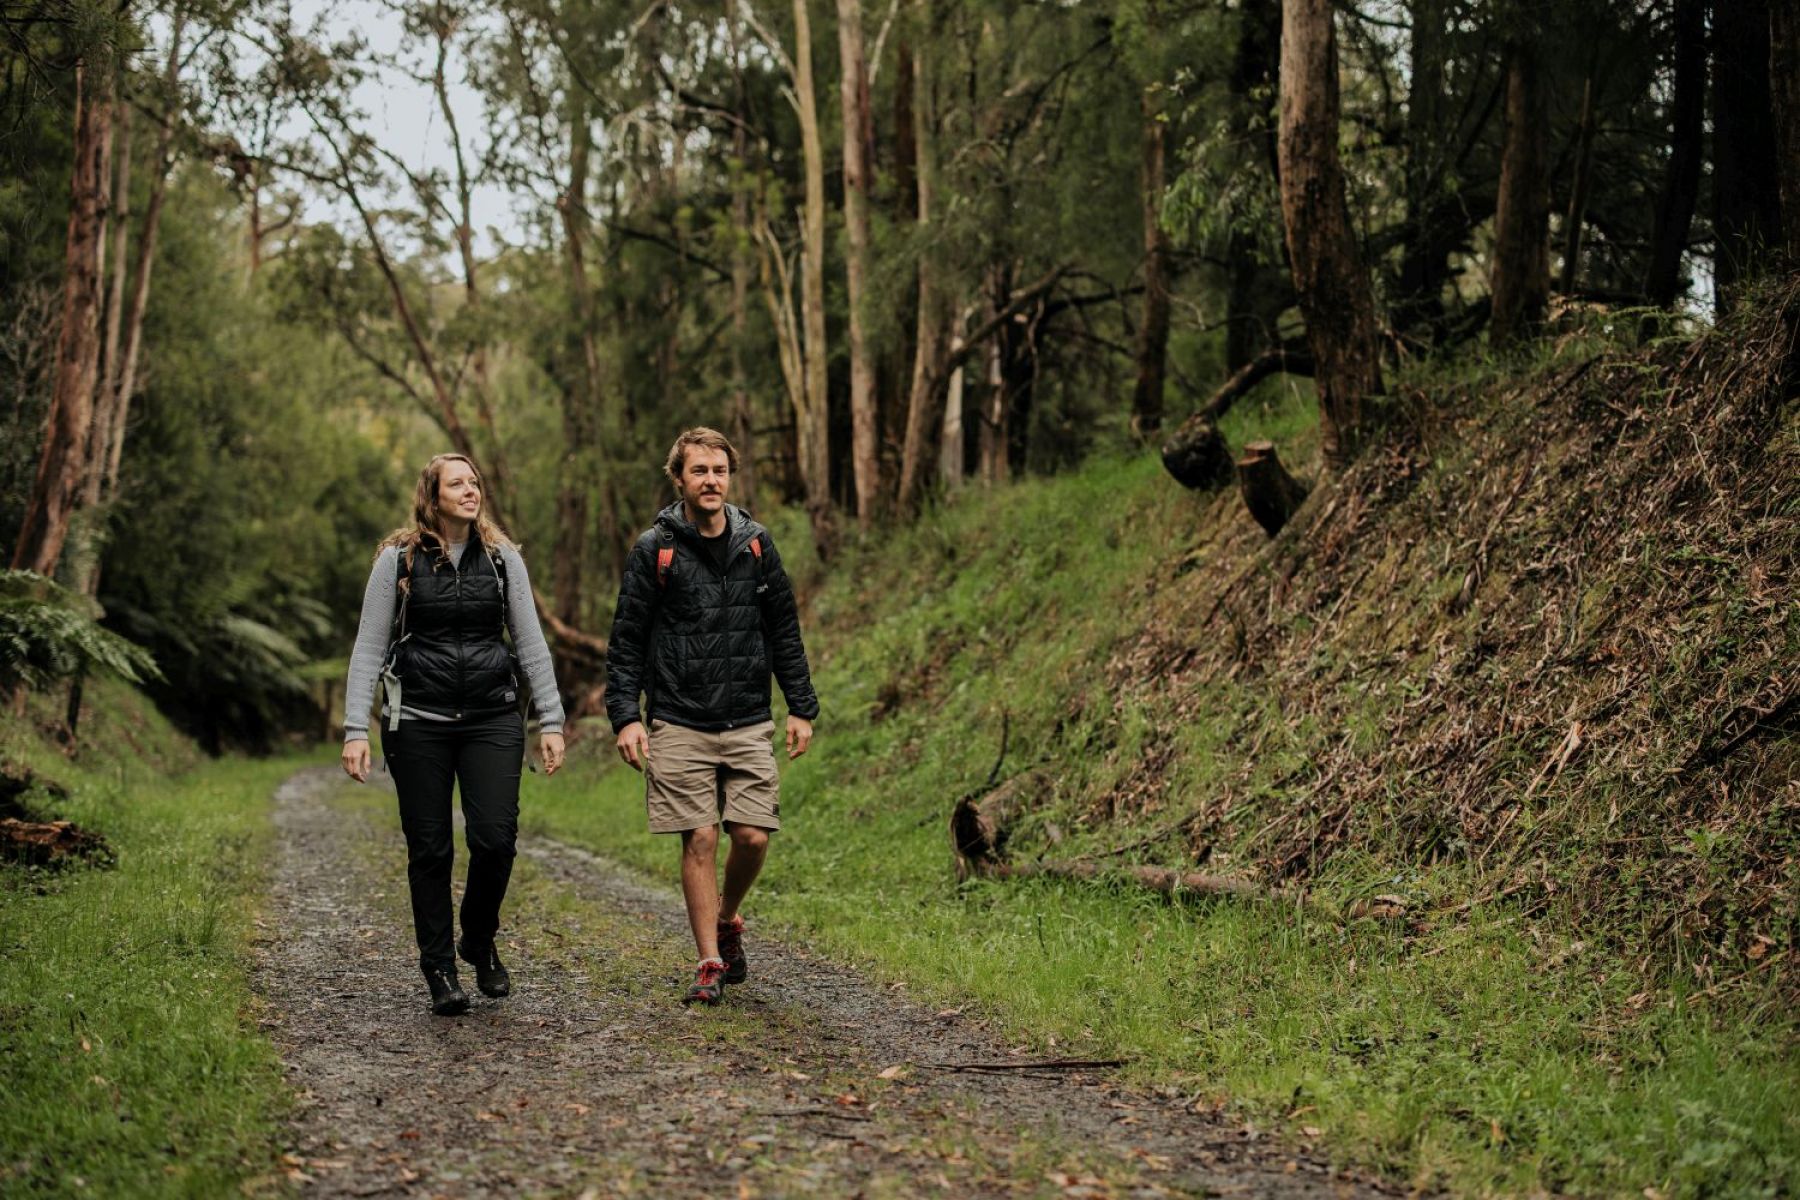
(665, 555)
(402, 588)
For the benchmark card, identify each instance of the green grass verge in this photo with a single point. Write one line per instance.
(128, 1060)
(1491, 1055)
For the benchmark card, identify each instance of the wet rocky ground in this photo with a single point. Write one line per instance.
(593, 1080)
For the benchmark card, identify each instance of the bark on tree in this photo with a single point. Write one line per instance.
(853, 96)
(581, 395)
(1333, 285)
(1681, 182)
(62, 465)
(1153, 333)
(1578, 194)
(1746, 187)
(499, 474)
(1271, 494)
(743, 406)
(1521, 275)
(1256, 290)
(1418, 300)
(119, 221)
(1784, 78)
(151, 226)
(924, 403)
(953, 448)
(813, 427)
(990, 438)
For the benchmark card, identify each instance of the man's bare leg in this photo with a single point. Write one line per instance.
(700, 886)
(749, 846)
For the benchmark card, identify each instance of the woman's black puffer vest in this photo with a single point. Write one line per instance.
(452, 658)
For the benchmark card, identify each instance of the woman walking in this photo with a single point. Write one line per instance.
(444, 595)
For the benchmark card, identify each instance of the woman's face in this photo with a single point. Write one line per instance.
(459, 491)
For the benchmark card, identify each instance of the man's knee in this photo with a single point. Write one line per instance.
(749, 837)
(700, 842)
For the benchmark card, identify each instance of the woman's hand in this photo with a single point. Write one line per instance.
(550, 749)
(356, 759)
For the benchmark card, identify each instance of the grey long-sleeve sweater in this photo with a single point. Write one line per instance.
(377, 624)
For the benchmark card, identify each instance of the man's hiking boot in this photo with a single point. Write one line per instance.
(731, 949)
(490, 972)
(447, 997)
(709, 984)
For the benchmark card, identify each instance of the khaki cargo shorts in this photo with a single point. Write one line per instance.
(693, 779)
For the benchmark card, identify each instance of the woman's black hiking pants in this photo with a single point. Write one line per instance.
(483, 757)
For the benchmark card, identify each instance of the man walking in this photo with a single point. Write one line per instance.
(705, 614)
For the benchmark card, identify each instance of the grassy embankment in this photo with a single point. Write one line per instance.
(128, 1061)
(1565, 1009)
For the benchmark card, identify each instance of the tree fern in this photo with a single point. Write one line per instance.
(48, 632)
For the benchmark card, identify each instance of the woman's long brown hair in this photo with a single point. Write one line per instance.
(427, 519)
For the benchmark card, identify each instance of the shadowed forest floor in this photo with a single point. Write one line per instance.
(592, 1079)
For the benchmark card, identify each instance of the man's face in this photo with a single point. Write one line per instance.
(705, 477)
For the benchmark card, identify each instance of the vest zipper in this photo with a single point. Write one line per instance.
(461, 675)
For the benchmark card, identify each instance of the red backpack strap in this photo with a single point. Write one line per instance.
(665, 558)
(756, 546)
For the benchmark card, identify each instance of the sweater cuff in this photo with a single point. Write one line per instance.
(354, 733)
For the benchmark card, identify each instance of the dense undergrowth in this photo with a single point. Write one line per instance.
(128, 1063)
(1528, 666)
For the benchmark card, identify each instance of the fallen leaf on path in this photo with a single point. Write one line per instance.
(893, 1072)
(847, 1099)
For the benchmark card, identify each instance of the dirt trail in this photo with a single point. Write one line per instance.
(592, 1080)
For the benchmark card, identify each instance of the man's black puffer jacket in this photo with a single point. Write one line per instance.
(702, 644)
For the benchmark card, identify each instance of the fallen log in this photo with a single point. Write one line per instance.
(1166, 880)
(1291, 357)
(51, 843)
(1271, 494)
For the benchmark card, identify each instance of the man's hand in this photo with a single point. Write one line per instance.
(634, 745)
(799, 736)
(356, 759)
(550, 749)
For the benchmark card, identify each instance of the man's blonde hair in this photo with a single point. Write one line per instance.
(701, 436)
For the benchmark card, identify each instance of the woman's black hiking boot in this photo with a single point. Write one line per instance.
(490, 972)
(447, 997)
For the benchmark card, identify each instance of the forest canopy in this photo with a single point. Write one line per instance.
(892, 249)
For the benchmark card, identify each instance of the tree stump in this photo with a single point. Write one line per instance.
(1270, 493)
(979, 825)
(1196, 454)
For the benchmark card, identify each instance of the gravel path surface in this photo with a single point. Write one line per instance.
(592, 1080)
